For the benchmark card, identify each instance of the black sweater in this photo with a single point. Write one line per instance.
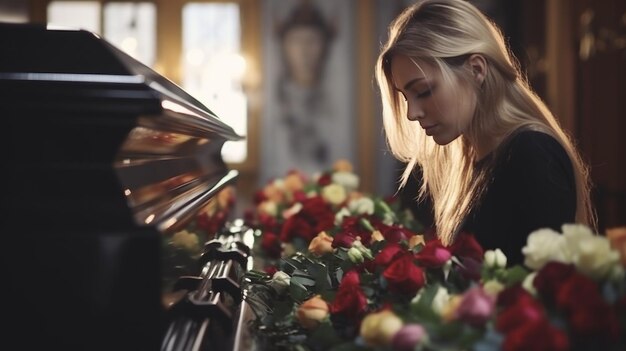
(532, 187)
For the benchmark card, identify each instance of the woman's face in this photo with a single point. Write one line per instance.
(304, 49)
(444, 110)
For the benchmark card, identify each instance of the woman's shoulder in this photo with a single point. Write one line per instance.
(532, 146)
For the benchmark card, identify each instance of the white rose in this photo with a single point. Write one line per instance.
(592, 254)
(269, 208)
(334, 194)
(528, 283)
(363, 205)
(348, 180)
(339, 216)
(545, 245)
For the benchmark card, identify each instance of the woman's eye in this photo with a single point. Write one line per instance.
(425, 93)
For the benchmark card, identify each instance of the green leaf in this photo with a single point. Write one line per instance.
(515, 275)
(298, 292)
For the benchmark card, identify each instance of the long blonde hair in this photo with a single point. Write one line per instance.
(443, 33)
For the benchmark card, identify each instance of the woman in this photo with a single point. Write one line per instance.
(495, 161)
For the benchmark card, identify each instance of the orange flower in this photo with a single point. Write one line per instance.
(342, 165)
(617, 238)
(294, 181)
(321, 244)
(312, 311)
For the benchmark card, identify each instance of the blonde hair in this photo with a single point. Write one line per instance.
(444, 33)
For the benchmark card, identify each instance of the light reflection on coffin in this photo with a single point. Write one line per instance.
(101, 157)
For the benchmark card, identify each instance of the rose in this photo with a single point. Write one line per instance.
(314, 217)
(537, 335)
(361, 206)
(617, 238)
(388, 254)
(476, 307)
(543, 246)
(348, 180)
(350, 300)
(416, 240)
(433, 255)
(294, 181)
(334, 194)
(408, 337)
(550, 278)
(592, 254)
(465, 247)
(321, 244)
(403, 276)
(342, 165)
(379, 328)
(271, 245)
(311, 312)
(518, 308)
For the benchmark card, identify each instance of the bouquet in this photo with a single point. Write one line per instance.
(342, 270)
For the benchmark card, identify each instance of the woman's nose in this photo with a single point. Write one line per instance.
(414, 112)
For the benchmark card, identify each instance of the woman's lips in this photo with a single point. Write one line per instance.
(429, 129)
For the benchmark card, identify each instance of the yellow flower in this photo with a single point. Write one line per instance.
(186, 240)
(334, 194)
(448, 313)
(311, 312)
(321, 244)
(378, 329)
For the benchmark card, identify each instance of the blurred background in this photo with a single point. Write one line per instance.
(296, 76)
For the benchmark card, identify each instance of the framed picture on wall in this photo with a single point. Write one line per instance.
(309, 88)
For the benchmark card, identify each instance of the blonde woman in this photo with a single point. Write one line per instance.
(495, 161)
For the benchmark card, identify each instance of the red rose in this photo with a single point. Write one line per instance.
(393, 234)
(433, 255)
(350, 300)
(537, 335)
(516, 314)
(388, 254)
(315, 216)
(466, 246)
(594, 323)
(271, 245)
(574, 290)
(403, 276)
(353, 226)
(259, 196)
(324, 179)
(343, 239)
(550, 279)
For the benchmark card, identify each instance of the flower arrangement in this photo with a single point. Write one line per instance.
(346, 271)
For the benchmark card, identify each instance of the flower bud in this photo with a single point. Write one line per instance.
(311, 312)
(355, 255)
(377, 236)
(280, 281)
(365, 252)
(379, 328)
(495, 259)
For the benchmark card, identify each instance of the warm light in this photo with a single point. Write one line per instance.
(129, 45)
(149, 219)
(127, 192)
(195, 57)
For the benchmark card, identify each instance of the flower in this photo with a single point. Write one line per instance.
(186, 240)
(355, 271)
(379, 328)
(312, 312)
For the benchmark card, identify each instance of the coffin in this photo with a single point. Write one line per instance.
(101, 156)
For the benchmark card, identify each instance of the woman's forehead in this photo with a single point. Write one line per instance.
(405, 69)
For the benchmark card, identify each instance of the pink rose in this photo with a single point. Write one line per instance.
(476, 307)
(433, 255)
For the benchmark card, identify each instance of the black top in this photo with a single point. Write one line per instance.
(533, 186)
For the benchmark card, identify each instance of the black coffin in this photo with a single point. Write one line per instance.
(101, 155)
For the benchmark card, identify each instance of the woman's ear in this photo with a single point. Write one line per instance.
(478, 64)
